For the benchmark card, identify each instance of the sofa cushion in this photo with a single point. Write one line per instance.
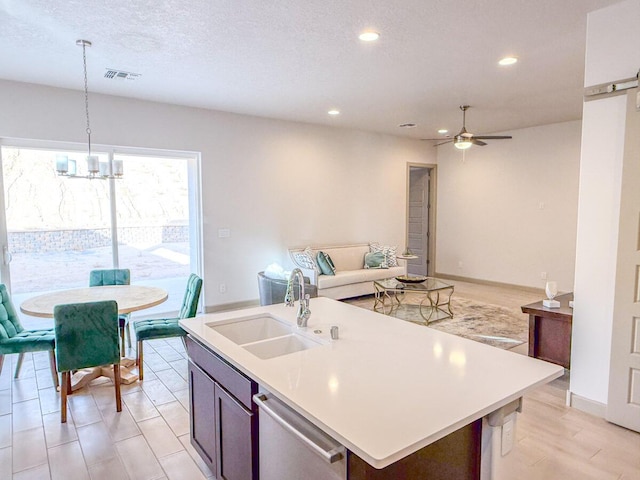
(349, 257)
(346, 277)
(325, 264)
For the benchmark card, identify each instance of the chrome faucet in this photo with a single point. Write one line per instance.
(303, 308)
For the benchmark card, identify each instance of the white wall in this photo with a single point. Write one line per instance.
(273, 183)
(489, 207)
(612, 54)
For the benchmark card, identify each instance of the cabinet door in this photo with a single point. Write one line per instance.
(236, 429)
(203, 417)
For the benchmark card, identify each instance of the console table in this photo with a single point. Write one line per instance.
(550, 331)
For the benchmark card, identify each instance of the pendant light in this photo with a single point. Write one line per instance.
(95, 168)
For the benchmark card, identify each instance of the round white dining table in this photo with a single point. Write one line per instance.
(130, 298)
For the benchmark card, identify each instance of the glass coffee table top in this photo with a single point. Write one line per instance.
(434, 305)
(429, 284)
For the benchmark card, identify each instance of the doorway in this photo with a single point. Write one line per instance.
(421, 218)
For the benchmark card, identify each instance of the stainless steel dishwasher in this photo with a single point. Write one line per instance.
(292, 448)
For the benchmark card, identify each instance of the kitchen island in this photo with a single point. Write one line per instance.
(386, 389)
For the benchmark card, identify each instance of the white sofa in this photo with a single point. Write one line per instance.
(351, 278)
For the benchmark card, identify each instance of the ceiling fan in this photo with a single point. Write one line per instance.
(464, 139)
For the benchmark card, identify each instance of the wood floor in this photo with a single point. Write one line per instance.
(149, 439)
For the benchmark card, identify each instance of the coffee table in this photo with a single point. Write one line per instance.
(435, 305)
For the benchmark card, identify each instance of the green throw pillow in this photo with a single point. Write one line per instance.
(326, 264)
(375, 260)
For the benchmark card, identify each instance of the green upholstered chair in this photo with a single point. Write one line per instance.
(115, 276)
(86, 336)
(15, 339)
(168, 327)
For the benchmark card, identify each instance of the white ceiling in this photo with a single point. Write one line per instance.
(296, 59)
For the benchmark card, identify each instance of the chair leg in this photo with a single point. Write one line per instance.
(63, 397)
(116, 381)
(19, 364)
(129, 334)
(68, 382)
(122, 347)
(140, 361)
(54, 370)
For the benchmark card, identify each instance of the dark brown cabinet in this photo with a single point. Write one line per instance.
(223, 418)
(235, 426)
(203, 419)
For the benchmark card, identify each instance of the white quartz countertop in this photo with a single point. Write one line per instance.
(387, 387)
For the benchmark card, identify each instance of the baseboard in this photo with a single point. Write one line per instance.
(226, 307)
(490, 283)
(586, 405)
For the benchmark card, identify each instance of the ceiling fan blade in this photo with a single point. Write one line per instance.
(442, 143)
(492, 137)
(475, 141)
(436, 139)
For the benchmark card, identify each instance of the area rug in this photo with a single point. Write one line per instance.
(483, 322)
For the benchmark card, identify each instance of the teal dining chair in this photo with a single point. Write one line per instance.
(15, 339)
(86, 335)
(168, 327)
(115, 276)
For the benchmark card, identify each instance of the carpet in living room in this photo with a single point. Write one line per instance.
(483, 322)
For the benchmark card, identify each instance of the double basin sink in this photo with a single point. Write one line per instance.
(266, 336)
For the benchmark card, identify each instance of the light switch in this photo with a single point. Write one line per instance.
(224, 233)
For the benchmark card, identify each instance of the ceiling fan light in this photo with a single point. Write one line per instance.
(462, 144)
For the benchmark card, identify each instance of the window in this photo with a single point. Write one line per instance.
(58, 229)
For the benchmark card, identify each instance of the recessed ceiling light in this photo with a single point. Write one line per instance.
(333, 111)
(407, 125)
(508, 61)
(442, 131)
(369, 36)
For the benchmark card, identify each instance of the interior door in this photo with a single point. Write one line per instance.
(418, 220)
(623, 405)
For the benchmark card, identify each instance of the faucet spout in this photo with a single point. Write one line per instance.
(304, 313)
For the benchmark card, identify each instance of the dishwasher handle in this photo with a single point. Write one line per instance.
(330, 456)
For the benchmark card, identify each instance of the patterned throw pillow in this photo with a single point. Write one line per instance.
(306, 259)
(389, 253)
(326, 264)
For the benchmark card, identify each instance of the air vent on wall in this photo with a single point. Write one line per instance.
(120, 75)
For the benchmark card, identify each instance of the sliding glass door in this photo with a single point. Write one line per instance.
(153, 223)
(57, 229)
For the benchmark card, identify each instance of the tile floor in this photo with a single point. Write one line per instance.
(149, 439)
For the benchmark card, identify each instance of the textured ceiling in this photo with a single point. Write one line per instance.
(295, 59)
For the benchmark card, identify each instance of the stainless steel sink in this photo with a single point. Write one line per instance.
(264, 336)
(252, 329)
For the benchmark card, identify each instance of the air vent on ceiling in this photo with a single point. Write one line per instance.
(120, 74)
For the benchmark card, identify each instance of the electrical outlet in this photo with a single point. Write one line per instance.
(460, 264)
(222, 288)
(541, 205)
(543, 275)
(507, 437)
